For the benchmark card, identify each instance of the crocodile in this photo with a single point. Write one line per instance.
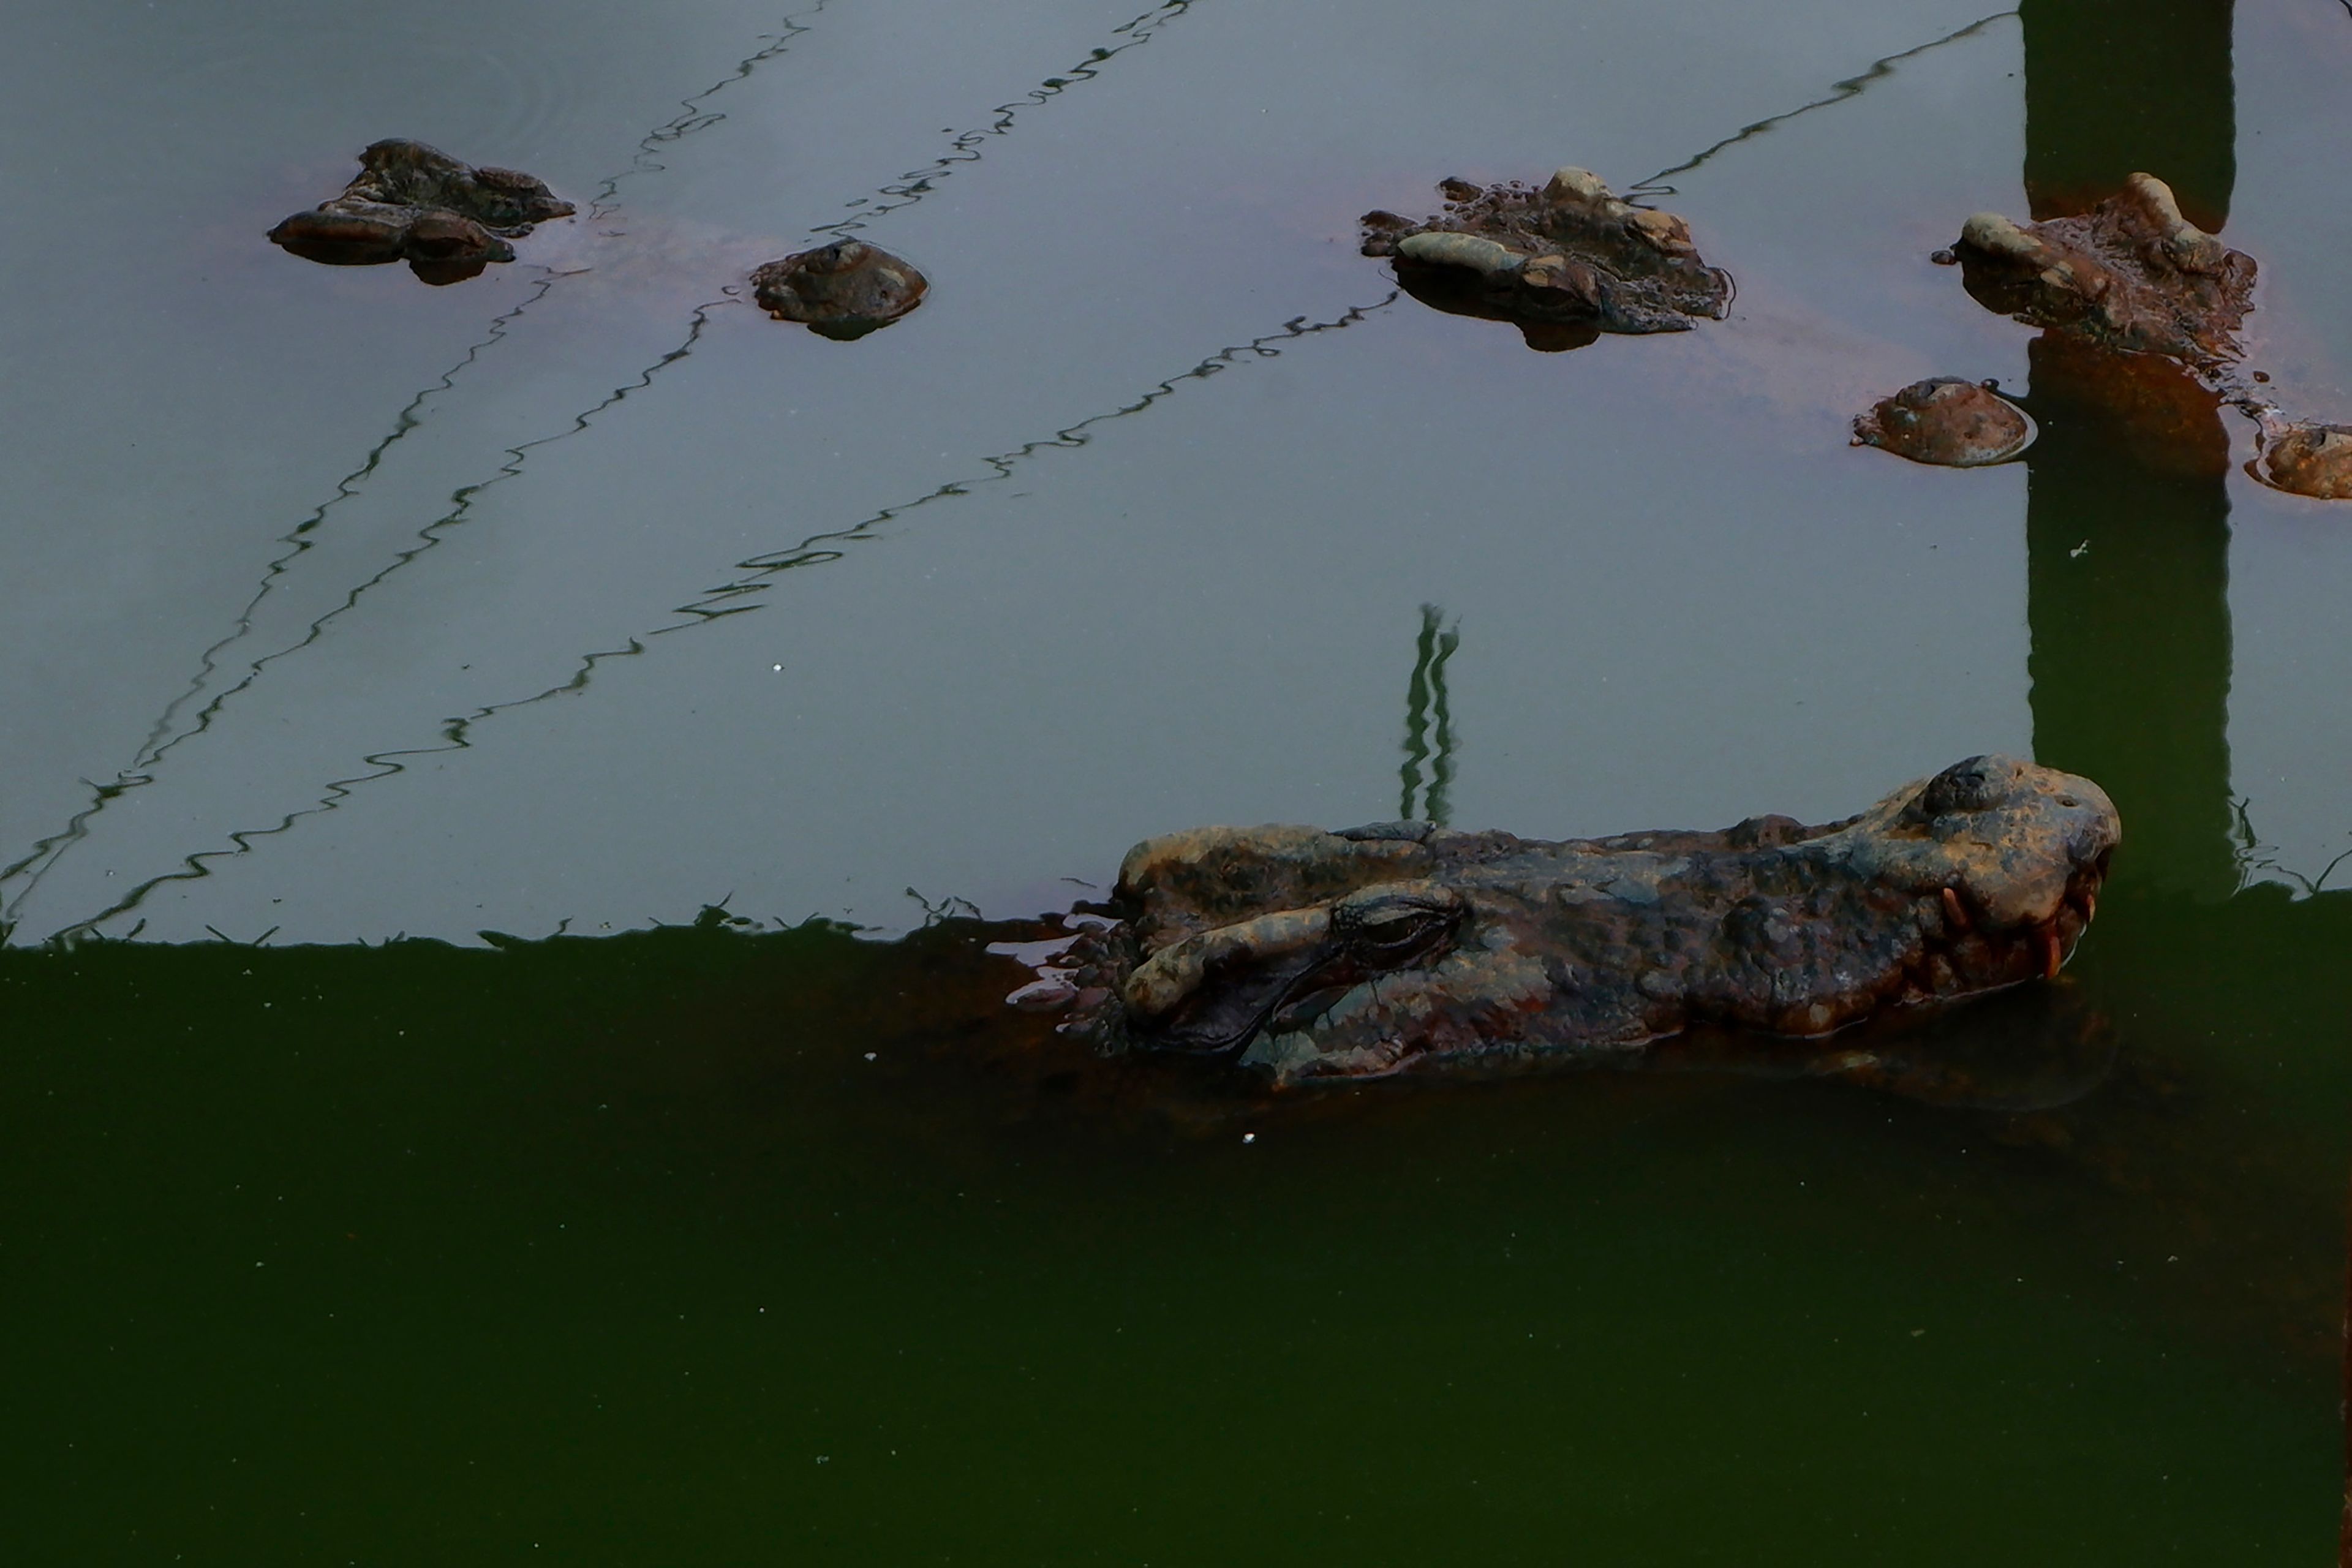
(1407, 947)
(448, 219)
(1948, 423)
(2132, 274)
(842, 291)
(1565, 262)
(2131, 284)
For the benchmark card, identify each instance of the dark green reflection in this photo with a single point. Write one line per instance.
(2127, 527)
(2113, 87)
(696, 1246)
(2127, 577)
(1427, 705)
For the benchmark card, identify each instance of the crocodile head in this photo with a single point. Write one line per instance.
(1406, 946)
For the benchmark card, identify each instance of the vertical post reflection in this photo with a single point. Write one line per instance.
(1426, 704)
(2128, 521)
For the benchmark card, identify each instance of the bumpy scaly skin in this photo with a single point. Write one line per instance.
(2132, 274)
(1568, 253)
(2135, 277)
(1408, 947)
(2305, 457)
(842, 291)
(1947, 422)
(411, 203)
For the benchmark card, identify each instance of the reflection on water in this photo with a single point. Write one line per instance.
(1851, 87)
(2114, 88)
(695, 116)
(2259, 861)
(1426, 704)
(2128, 521)
(165, 732)
(714, 604)
(970, 145)
(773, 1196)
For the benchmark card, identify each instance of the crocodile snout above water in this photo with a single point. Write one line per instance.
(1565, 262)
(448, 219)
(1405, 946)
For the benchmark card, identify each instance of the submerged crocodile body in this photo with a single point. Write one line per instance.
(1405, 946)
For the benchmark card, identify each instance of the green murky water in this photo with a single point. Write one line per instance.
(343, 609)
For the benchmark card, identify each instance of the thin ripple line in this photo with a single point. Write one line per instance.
(916, 183)
(692, 117)
(715, 603)
(54, 846)
(1852, 87)
(456, 733)
(911, 188)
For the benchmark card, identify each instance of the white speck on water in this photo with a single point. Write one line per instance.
(1249, 1137)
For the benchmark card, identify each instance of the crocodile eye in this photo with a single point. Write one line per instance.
(1393, 927)
(1404, 928)
(1974, 785)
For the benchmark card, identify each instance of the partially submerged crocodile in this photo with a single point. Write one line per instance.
(1947, 422)
(2132, 274)
(448, 220)
(1566, 262)
(1405, 946)
(842, 291)
(2131, 281)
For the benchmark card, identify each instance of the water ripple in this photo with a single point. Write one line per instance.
(916, 183)
(716, 604)
(694, 116)
(1852, 87)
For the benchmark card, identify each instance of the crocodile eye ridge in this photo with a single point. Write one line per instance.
(1976, 784)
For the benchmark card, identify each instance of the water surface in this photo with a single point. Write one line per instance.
(582, 597)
